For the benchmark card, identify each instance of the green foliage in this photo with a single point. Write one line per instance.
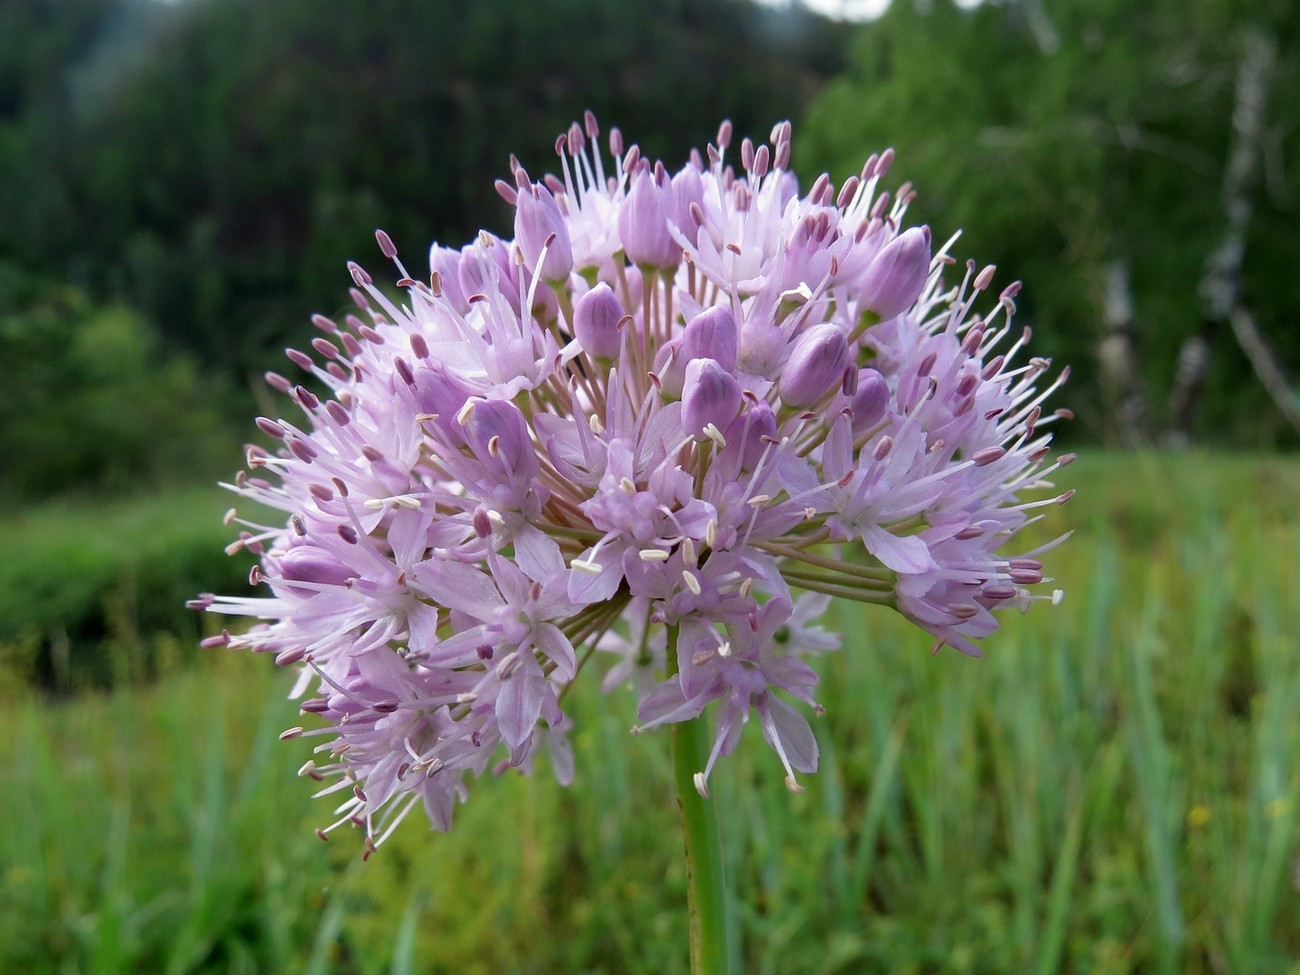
(217, 164)
(1063, 136)
(1111, 790)
(89, 402)
(94, 594)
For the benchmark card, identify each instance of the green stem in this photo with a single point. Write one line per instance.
(705, 877)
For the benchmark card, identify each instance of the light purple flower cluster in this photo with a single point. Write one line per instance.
(671, 402)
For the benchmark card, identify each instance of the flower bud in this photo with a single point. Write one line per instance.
(687, 189)
(643, 222)
(895, 277)
(746, 432)
(498, 434)
(595, 322)
(712, 334)
(761, 346)
(815, 366)
(310, 563)
(870, 400)
(537, 217)
(710, 396)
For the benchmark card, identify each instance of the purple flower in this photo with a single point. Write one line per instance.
(578, 440)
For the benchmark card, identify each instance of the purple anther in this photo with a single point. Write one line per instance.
(724, 134)
(301, 449)
(325, 347)
(278, 382)
(270, 428)
(988, 455)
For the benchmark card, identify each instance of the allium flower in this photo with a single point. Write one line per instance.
(671, 402)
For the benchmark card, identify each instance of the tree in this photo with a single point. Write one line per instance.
(248, 148)
(1084, 145)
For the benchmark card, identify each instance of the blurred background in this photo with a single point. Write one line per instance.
(181, 184)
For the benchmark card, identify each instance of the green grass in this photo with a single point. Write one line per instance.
(1112, 789)
(92, 595)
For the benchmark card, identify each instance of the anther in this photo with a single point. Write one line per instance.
(689, 555)
(691, 580)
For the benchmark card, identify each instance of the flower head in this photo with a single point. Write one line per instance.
(672, 401)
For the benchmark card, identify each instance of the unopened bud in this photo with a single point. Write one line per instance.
(498, 432)
(751, 433)
(687, 192)
(870, 401)
(310, 563)
(539, 226)
(710, 395)
(896, 276)
(815, 366)
(711, 334)
(595, 322)
(643, 223)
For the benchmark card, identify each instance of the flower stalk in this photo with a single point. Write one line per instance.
(705, 874)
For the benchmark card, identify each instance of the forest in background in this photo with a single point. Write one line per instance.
(182, 183)
(201, 171)
(1112, 790)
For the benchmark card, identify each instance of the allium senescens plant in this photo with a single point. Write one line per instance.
(670, 420)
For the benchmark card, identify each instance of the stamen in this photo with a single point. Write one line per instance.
(692, 581)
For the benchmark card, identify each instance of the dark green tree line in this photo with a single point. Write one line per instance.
(218, 170)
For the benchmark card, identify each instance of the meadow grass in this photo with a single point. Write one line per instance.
(1112, 789)
(93, 593)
